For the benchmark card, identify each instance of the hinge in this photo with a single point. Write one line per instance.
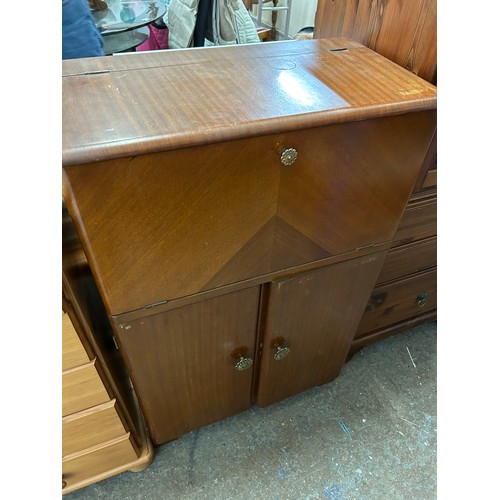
(365, 246)
(156, 304)
(87, 73)
(96, 72)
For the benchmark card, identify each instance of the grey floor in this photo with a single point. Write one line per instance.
(369, 434)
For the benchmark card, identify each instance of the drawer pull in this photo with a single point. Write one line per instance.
(281, 352)
(288, 156)
(243, 362)
(422, 299)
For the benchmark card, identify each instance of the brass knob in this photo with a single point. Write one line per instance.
(281, 352)
(288, 156)
(244, 364)
(422, 299)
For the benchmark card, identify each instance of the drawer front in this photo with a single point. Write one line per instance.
(418, 221)
(409, 259)
(73, 352)
(430, 180)
(236, 210)
(399, 301)
(82, 388)
(91, 427)
(98, 460)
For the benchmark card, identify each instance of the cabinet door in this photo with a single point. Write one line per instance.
(183, 362)
(154, 231)
(311, 321)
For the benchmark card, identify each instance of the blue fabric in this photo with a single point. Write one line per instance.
(80, 36)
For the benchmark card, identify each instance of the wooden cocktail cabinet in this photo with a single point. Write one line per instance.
(236, 206)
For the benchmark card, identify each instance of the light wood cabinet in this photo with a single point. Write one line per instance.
(91, 426)
(102, 431)
(82, 387)
(235, 241)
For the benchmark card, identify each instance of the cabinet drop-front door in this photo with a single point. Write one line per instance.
(193, 365)
(310, 323)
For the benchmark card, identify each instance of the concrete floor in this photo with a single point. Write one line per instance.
(369, 434)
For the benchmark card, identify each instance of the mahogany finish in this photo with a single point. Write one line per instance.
(404, 31)
(409, 270)
(408, 259)
(205, 246)
(183, 366)
(324, 204)
(131, 105)
(419, 220)
(316, 313)
(398, 301)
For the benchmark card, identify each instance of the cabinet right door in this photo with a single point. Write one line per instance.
(310, 323)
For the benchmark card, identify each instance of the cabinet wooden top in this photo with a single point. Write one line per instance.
(153, 101)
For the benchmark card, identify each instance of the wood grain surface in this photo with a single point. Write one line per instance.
(397, 301)
(73, 352)
(404, 31)
(317, 314)
(91, 427)
(100, 460)
(162, 226)
(182, 363)
(130, 105)
(82, 387)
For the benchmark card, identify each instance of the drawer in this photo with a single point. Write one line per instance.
(430, 180)
(98, 460)
(239, 209)
(427, 178)
(409, 259)
(419, 221)
(73, 352)
(398, 301)
(82, 388)
(91, 427)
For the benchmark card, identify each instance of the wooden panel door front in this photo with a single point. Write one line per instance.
(183, 362)
(311, 321)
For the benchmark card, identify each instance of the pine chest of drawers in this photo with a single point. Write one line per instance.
(236, 206)
(102, 430)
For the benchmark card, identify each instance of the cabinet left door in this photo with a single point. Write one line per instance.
(191, 365)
